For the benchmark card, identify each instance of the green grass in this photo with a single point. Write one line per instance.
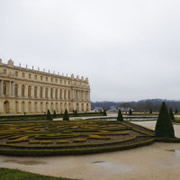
(12, 174)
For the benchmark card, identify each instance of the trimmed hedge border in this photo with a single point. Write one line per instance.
(43, 116)
(82, 151)
(66, 146)
(168, 140)
(146, 133)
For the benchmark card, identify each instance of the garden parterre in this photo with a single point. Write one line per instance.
(72, 136)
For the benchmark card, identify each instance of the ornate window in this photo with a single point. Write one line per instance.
(41, 92)
(46, 92)
(23, 91)
(16, 90)
(51, 93)
(35, 92)
(29, 91)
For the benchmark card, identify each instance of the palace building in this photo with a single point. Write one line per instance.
(25, 90)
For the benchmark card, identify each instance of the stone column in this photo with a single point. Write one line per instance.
(58, 93)
(38, 92)
(67, 94)
(54, 93)
(19, 90)
(72, 94)
(43, 93)
(25, 91)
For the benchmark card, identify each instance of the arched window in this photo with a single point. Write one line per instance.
(69, 95)
(16, 90)
(23, 91)
(56, 93)
(17, 107)
(41, 92)
(52, 107)
(46, 92)
(82, 107)
(57, 109)
(35, 107)
(60, 93)
(51, 93)
(41, 107)
(29, 91)
(6, 107)
(65, 94)
(77, 106)
(29, 107)
(61, 107)
(23, 107)
(47, 106)
(87, 107)
(35, 92)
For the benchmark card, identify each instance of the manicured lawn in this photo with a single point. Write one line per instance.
(12, 174)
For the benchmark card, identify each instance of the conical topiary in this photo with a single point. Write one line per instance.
(120, 116)
(75, 113)
(104, 112)
(54, 115)
(66, 116)
(130, 112)
(164, 127)
(49, 115)
(171, 114)
(150, 111)
(176, 111)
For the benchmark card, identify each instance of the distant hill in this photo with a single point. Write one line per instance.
(142, 105)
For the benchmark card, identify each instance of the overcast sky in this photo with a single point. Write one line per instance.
(129, 49)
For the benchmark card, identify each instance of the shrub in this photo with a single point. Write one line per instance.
(171, 114)
(49, 115)
(150, 111)
(176, 111)
(66, 116)
(75, 113)
(120, 117)
(130, 112)
(104, 112)
(164, 127)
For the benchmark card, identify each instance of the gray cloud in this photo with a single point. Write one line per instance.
(129, 49)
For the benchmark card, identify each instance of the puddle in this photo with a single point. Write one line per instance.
(109, 167)
(177, 152)
(171, 150)
(31, 163)
(97, 162)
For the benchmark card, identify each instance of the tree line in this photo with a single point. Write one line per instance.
(140, 106)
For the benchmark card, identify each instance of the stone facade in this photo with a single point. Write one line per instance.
(24, 90)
